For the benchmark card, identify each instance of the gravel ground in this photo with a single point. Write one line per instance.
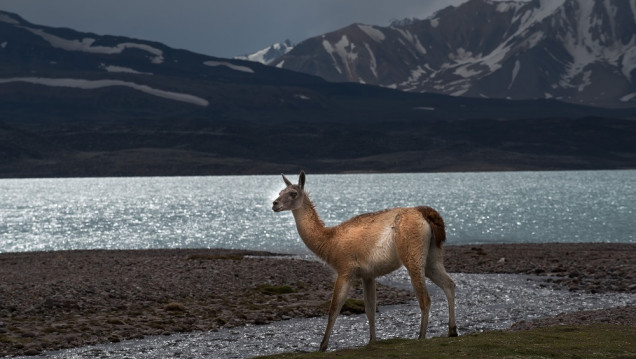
(54, 300)
(593, 267)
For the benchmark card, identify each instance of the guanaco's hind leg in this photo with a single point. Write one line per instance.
(369, 305)
(437, 273)
(340, 292)
(419, 285)
(412, 239)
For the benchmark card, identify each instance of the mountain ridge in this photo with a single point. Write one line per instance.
(578, 51)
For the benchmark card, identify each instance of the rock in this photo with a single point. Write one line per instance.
(32, 351)
(261, 321)
(558, 269)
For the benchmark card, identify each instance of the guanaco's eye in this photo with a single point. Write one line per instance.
(293, 194)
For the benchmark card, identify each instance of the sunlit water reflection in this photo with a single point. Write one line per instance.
(235, 211)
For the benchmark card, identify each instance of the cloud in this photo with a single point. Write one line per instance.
(222, 28)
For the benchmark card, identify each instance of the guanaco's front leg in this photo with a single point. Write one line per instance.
(340, 292)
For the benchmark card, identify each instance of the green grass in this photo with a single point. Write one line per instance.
(274, 289)
(210, 257)
(594, 341)
(355, 306)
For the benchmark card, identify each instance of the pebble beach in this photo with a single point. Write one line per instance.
(64, 299)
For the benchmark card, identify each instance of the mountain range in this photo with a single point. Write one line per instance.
(578, 51)
(81, 104)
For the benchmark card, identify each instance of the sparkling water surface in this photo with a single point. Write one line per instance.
(235, 211)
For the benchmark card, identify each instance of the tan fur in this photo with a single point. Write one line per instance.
(371, 245)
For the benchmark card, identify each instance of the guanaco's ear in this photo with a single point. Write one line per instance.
(287, 182)
(301, 180)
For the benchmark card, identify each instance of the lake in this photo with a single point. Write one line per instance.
(235, 211)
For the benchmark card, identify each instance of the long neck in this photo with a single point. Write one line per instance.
(312, 229)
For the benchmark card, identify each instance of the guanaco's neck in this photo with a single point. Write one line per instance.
(312, 229)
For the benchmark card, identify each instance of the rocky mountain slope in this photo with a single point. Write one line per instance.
(579, 51)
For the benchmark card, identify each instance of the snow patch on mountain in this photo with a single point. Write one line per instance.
(8, 19)
(96, 84)
(230, 65)
(344, 49)
(629, 97)
(372, 32)
(86, 45)
(411, 39)
(302, 97)
(373, 63)
(506, 6)
(122, 69)
(269, 54)
(341, 48)
(465, 71)
(412, 81)
(536, 15)
(515, 72)
(330, 50)
(629, 62)
(586, 49)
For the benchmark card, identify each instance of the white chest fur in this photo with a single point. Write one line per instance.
(383, 257)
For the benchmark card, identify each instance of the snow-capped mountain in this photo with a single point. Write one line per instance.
(270, 53)
(579, 51)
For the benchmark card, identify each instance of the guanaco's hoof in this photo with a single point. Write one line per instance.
(452, 332)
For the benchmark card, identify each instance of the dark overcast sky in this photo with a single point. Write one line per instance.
(223, 28)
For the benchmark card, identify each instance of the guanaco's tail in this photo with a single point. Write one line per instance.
(436, 222)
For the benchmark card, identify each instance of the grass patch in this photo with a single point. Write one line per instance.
(353, 306)
(6, 340)
(50, 330)
(174, 307)
(115, 321)
(210, 257)
(593, 341)
(275, 289)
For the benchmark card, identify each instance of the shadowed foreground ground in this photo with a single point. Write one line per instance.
(53, 300)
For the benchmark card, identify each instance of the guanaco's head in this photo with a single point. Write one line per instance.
(292, 196)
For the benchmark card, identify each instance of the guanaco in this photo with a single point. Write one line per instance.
(371, 245)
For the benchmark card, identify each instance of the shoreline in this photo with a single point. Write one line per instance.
(56, 300)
